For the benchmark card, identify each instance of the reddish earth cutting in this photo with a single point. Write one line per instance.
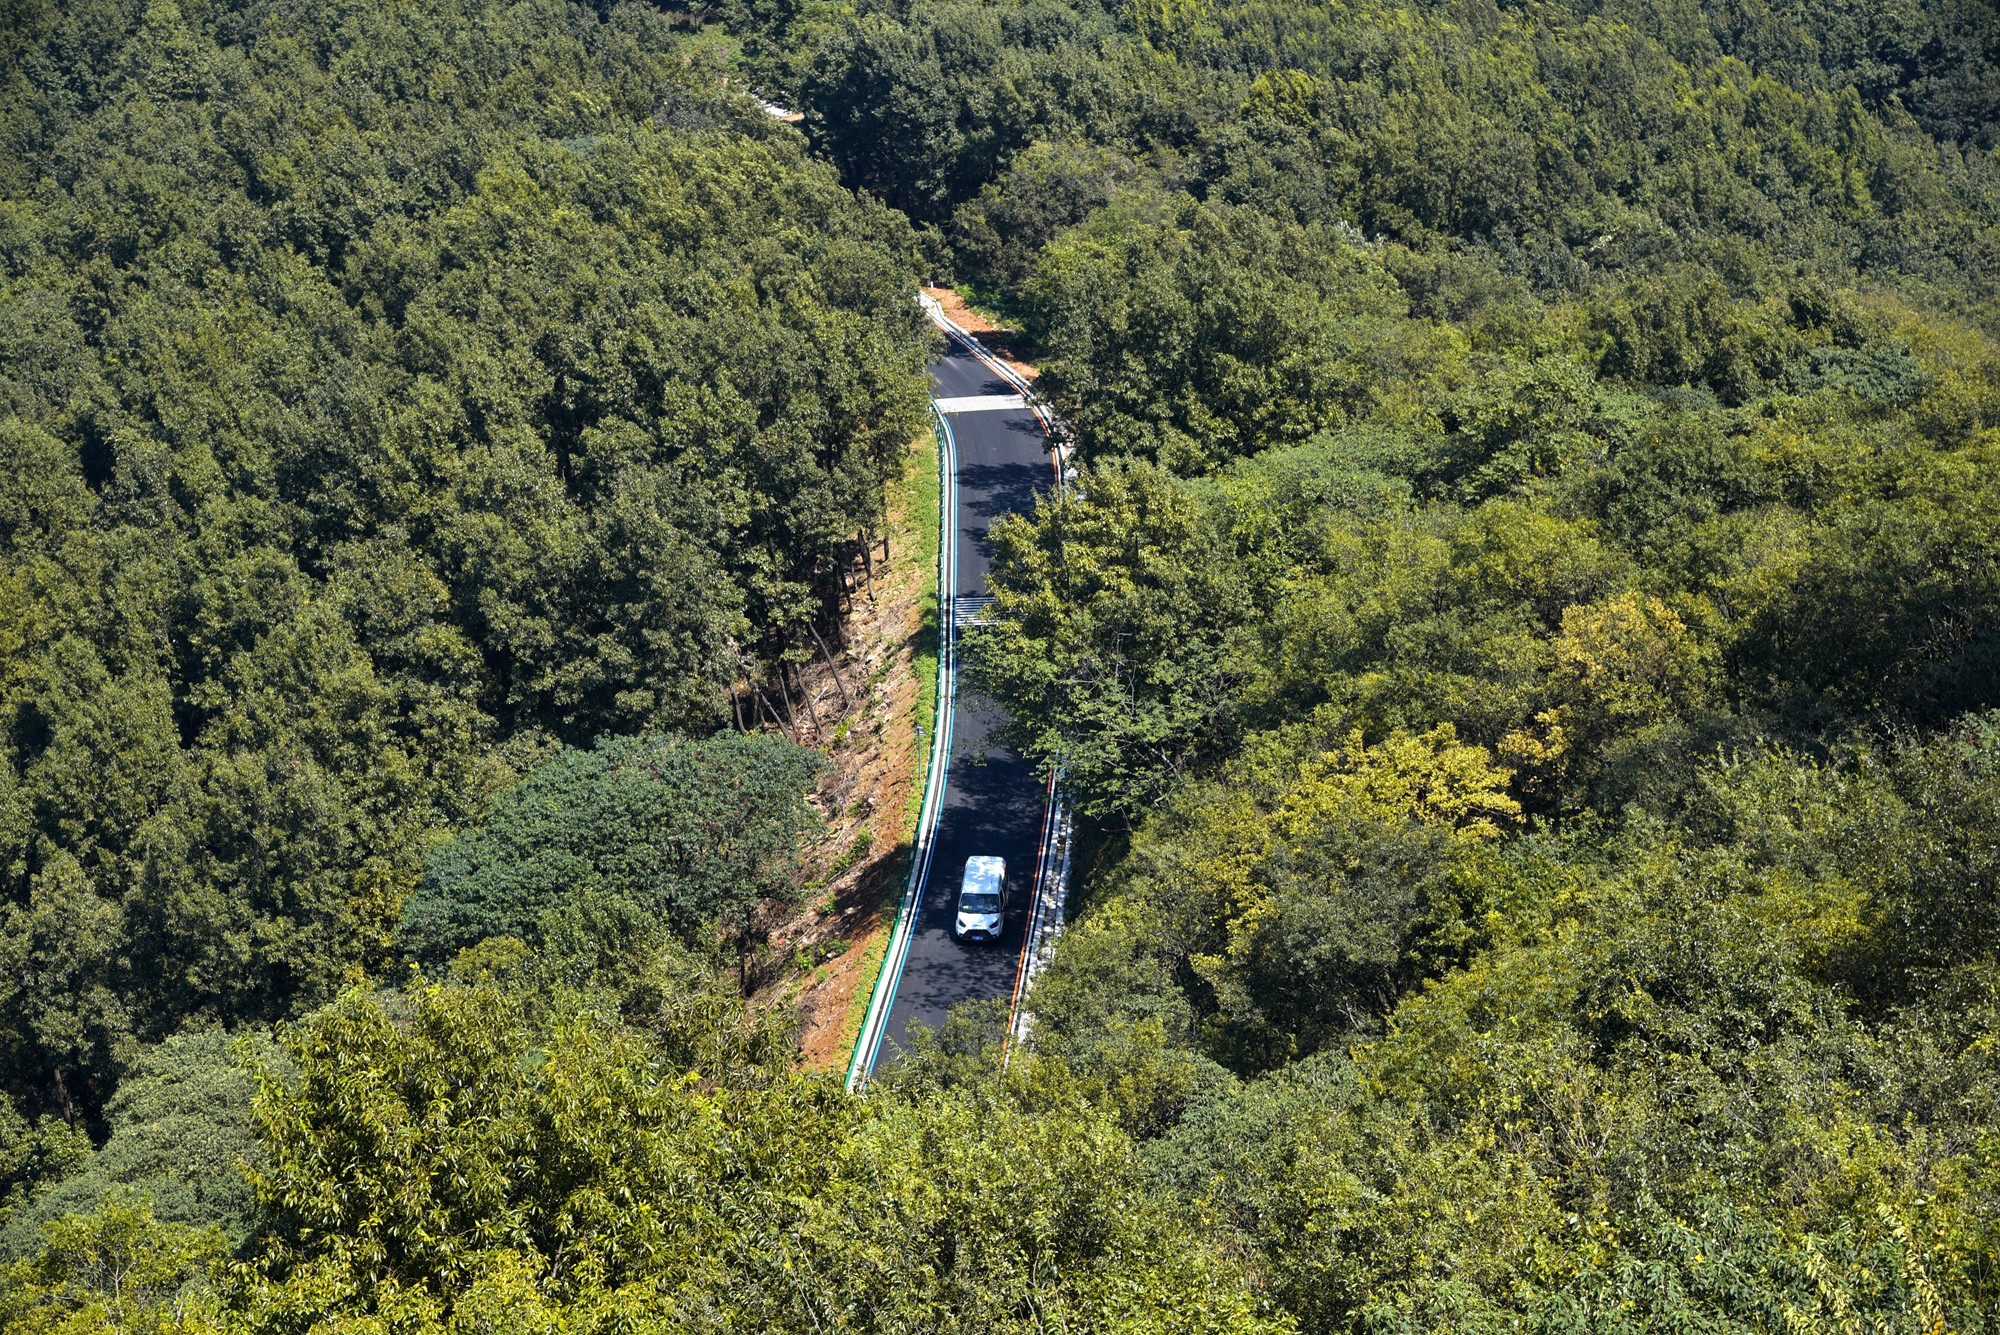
(1003, 341)
(871, 741)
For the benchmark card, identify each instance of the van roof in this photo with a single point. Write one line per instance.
(984, 873)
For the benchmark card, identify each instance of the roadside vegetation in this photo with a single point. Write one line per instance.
(1528, 635)
(1525, 648)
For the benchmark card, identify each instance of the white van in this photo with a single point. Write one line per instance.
(982, 900)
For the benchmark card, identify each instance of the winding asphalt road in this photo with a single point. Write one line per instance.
(993, 803)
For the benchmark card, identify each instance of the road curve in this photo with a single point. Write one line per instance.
(993, 802)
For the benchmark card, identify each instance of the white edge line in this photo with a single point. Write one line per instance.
(1051, 893)
(1044, 923)
(943, 717)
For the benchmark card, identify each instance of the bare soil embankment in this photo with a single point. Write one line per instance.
(1004, 341)
(827, 948)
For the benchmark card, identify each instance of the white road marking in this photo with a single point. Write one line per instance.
(982, 403)
(971, 609)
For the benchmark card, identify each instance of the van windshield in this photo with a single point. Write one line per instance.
(975, 901)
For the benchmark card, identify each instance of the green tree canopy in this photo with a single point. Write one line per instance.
(617, 842)
(386, 396)
(181, 1139)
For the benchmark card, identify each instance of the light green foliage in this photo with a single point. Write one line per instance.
(116, 1269)
(1290, 904)
(691, 1009)
(1651, 1059)
(454, 1160)
(1904, 829)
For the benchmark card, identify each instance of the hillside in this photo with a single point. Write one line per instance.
(1524, 648)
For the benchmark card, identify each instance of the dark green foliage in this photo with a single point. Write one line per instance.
(922, 109)
(1342, 940)
(1525, 649)
(1047, 187)
(1572, 145)
(1192, 334)
(180, 1137)
(34, 1155)
(386, 394)
(599, 849)
(1119, 653)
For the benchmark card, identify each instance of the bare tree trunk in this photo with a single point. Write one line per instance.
(735, 708)
(777, 720)
(846, 700)
(805, 694)
(785, 697)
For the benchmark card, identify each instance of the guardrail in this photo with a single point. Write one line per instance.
(882, 999)
(1045, 915)
(1052, 861)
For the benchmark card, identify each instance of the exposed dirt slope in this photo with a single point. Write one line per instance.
(1002, 340)
(830, 945)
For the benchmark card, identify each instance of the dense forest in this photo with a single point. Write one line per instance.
(392, 397)
(1525, 648)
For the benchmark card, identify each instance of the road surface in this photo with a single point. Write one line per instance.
(993, 802)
